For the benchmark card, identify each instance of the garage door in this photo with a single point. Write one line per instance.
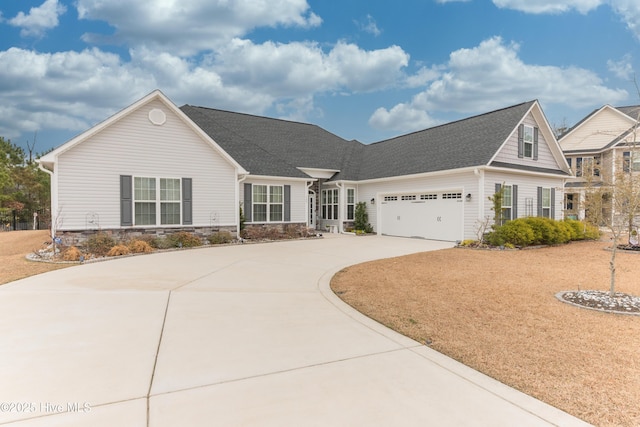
(436, 216)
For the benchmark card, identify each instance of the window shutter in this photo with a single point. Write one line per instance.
(514, 201)
(539, 201)
(187, 204)
(287, 203)
(535, 143)
(521, 141)
(498, 187)
(247, 202)
(553, 203)
(126, 200)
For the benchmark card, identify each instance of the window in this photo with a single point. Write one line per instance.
(259, 203)
(507, 203)
(169, 201)
(626, 161)
(569, 201)
(330, 204)
(147, 203)
(267, 203)
(351, 204)
(546, 202)
(412, 197)
(588, 166)
(452, 196)
(390, 198)
(428, 196)
(276, 203)
(144, 190)
(569, 162)
(527, 137)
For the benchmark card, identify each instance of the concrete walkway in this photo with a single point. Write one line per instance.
(246, 335)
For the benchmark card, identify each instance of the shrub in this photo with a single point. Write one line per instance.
(71, 254)
(119, 250)
(220, 237)
(183, 239)
(361, 218)
(140, 247)
(261, 233)
(100, 244)
(516, 232)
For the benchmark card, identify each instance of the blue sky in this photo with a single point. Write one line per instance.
(362, 69)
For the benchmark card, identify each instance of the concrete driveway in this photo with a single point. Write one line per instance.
(246, 335)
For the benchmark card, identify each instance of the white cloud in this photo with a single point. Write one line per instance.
(549, 6)
(402, 118)
(369, 26)
(623, 68)
(39, 19)
(74, 90)
(630, 12)
(189, 27)
(492, 76)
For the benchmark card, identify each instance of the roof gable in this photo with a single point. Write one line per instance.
(469, 142)
(598, 130)
(49, 159)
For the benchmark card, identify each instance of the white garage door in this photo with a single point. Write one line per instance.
(436, 216)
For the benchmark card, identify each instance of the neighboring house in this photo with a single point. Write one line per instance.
(156, 168)
(597, 148)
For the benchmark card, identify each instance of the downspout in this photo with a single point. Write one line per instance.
(241, 178)
(54, 198)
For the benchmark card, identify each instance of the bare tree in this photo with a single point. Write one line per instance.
(614, 202)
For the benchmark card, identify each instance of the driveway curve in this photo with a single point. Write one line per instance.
(243, 335)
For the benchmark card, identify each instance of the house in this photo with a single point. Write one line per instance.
(597, 148)
(157, 168)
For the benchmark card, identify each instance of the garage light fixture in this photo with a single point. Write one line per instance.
(468, 197)
(373, 201)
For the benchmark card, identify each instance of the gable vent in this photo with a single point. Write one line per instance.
(157, 117)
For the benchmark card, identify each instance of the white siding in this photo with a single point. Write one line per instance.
(596, 132)
(509, 152)
(299, 198)
(527, 189)
(89, 173)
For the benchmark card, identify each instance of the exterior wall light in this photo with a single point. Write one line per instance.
(468, 197)
(373, 201)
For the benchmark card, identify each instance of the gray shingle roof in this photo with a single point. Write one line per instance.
(266, 146)
(464, 143)
(632, 111)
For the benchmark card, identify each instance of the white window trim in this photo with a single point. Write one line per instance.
(268, 204)
(528, 131)
(353, 204)
(157, 201)
(546, 207)
(334, 203)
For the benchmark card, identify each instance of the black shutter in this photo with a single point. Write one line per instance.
(126, 200)
(187, 203)
(287, 203)
(247, 202)
(514, 201)
(521, 141)
(553, 203)
(539, 201)
(535, 143)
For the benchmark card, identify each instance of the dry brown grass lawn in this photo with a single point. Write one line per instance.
(496, 312)
(14, 246)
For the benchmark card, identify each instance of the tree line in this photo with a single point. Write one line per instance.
(24, 189)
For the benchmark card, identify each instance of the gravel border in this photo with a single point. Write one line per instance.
(620, 303)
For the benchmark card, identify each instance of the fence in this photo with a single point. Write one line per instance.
(11, 221)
